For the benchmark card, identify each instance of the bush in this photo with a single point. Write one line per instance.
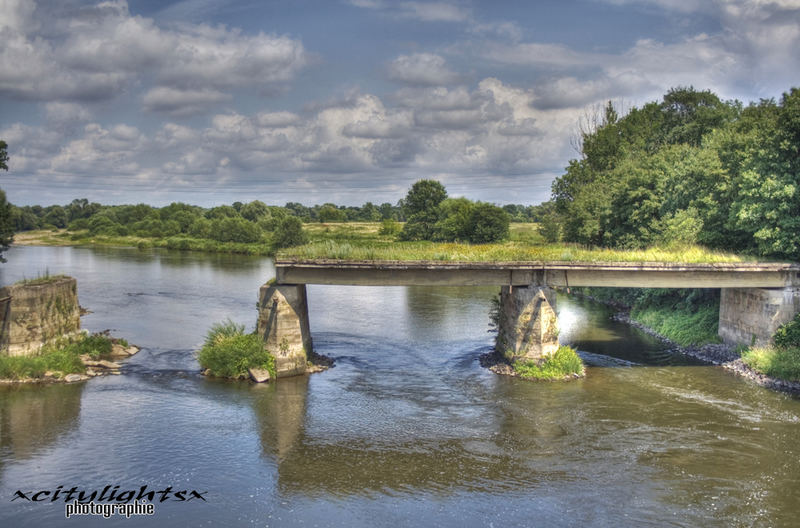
(788, 334)
(779, 362)
(228, 352)
(487, 223)
(390, 227)
(290, 233)
(563, 363)
(62, 356)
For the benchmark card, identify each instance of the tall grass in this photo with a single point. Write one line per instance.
(779, 362)
(376, 249)
(62, 356)
(680, 325)
(228, 352)
(564, 363)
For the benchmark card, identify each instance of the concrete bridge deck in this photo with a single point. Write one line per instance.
(553, 274)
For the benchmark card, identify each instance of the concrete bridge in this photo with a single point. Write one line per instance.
(756, 298)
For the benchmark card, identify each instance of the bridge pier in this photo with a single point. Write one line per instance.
(283, 325)
(527, 326)
(749, 316)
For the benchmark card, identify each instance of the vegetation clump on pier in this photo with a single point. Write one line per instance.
(68, 359)
(228, 352)
(564, 363)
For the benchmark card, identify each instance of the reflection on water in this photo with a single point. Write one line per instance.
(406, 430)
(34, 417)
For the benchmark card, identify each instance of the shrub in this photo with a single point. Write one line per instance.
(779, 362)
(390, 227)
(563, 363)
(788, 334)
(487, 223)
(290, 233)
(228, 352)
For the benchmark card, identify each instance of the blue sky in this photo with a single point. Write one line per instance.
(349, 101)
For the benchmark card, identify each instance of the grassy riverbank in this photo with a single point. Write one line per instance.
(367, 241)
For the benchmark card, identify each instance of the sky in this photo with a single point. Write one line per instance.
(348, 101)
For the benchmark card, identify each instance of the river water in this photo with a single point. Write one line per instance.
(406, 430)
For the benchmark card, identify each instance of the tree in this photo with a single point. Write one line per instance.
(424, 196)
(421, 207)
(6, 221)
(290, 233)
(488, 223)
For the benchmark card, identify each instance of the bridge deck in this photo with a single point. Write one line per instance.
(614, 274)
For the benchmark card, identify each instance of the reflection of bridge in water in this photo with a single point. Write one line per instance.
(756, 297)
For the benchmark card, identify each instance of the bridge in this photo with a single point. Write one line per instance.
(756, 298)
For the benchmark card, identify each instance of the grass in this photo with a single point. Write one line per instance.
(778, 362)
(44, 278)
(62, 357)
(364, 241)
(564, 363)
(228, 352)
(682, 326)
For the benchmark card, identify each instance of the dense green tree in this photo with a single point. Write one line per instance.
(488, 223)
(424, 196)
(254, 210)
(330, 213)
(289, 233)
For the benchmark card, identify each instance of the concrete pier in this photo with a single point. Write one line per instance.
(750, 316)
(283, 324)
(527, 323)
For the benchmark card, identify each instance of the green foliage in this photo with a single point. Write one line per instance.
(691, 169)
(424, 196)
(487, 223)
(682, 326)
(788, 334)
(779, 362)
(6, 225)
(3, 155)
(390, 227)
(564, 363)
(289, 233)
(62, 356)
(330, 213)
(228, 352)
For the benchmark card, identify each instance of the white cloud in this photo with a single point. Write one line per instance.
(177, 102)
(435, 11)
(423, 69)
(97, 52)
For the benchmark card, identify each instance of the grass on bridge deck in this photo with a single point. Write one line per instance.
(362, 241)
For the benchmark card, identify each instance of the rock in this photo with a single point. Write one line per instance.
(258, 375)
(51, 374)
(207, 372)
(118, 351)
(108, 364)
(71, 378)
(131, 350)
(91, 373)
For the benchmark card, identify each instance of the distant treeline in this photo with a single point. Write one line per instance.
(239, 222)
(691, 169)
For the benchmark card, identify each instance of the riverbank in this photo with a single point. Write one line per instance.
(717, 354)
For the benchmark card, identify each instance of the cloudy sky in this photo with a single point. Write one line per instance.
(212, 101)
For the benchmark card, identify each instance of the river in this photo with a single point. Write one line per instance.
(406, 430)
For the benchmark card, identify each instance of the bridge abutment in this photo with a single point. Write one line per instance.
(750, 316)
(283, 325)
(527, 326)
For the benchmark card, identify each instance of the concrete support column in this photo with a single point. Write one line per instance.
(283, 324)
(749, 316)
(527, 326)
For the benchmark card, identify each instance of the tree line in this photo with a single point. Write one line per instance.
(690, 169)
